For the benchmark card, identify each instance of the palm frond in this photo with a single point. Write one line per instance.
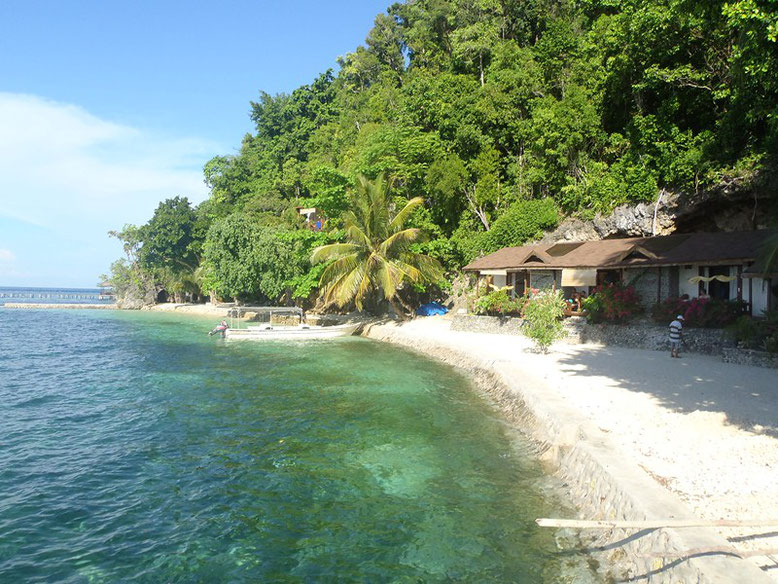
(337, 269)
(389, 277)
(408, 271)
(357, 235)
(330, 251)
(347, 287)
(366, 283)
(770, 253)
(399, 242)
(431, 270)
(404, 214)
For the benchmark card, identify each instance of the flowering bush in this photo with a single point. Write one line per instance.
(612, 303)
(499, 303)
(699, 312)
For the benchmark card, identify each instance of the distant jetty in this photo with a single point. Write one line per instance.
(41, 305)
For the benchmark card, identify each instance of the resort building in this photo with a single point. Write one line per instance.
(721, 265)
(314, 218)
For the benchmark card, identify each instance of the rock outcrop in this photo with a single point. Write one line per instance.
(735, 205)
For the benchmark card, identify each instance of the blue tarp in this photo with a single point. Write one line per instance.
(431, 309)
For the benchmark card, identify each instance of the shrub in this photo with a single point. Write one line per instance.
(499, 303)
(522, 221)
(614, 303)
(699, 312)
(543, 318)
(761, 334)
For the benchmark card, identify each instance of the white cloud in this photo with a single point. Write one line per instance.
(6, 256)
(59, 163)
(76, 176)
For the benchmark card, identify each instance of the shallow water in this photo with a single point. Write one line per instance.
(134, 447)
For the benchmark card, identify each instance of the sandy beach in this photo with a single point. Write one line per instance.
(702, 431)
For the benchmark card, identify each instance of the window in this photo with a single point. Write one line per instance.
(717, 289)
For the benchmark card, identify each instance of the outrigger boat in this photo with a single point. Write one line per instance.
(261, 331)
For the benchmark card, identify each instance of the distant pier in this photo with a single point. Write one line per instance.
(33, 305)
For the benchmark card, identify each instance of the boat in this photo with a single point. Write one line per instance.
(301, 332)
(238, 329)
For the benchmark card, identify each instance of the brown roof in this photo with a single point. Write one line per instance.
(509, 257)
(676, 249)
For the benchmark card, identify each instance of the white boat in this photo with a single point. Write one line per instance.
(302, 332)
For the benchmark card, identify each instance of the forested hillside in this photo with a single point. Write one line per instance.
(503, 115)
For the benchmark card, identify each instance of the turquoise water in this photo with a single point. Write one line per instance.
(134, 447)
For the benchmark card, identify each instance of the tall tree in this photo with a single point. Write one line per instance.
(376, 258)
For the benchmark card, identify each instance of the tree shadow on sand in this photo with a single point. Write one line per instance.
(748, 396)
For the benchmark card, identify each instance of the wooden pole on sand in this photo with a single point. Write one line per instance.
(655, 523)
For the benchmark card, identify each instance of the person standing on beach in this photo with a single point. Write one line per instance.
(675, 336)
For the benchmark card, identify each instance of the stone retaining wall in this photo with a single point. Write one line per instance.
(643, 336)
(750, 357)
(487, 324)
(650, 337)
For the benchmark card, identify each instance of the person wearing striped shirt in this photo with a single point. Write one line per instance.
(675, 336)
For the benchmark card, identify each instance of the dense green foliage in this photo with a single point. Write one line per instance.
(500, 303)
(500, 115)
(760, 334)
(543, 318)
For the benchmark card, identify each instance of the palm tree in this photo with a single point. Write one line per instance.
(376, 258)
(770, 253)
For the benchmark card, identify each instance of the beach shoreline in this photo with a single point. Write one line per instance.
(636, 436)
(633, 435)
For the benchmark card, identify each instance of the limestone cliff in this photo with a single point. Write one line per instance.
(734, 205)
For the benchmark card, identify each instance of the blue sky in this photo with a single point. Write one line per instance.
(107, 108)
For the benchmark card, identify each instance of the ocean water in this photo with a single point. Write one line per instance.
(136, 448)
(52, 296)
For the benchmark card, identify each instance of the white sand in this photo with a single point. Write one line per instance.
(195, 309)
(705, 430)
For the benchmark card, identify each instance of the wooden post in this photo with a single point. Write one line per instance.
(655, 524)
(700, 285)
(751, 296)
(658, 285)
(740, 282)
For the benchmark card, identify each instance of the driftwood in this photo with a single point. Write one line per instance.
(711, 550)
(655, 523)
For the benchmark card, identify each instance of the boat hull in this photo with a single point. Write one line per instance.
(268, 333)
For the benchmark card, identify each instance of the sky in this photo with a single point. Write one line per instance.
(108, 108)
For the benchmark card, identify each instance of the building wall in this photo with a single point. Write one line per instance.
(499, 281)
(646, 282)
(758, 294)
(686, 287)
(541, 279)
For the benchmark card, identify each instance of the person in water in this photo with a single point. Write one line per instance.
(220, 328)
